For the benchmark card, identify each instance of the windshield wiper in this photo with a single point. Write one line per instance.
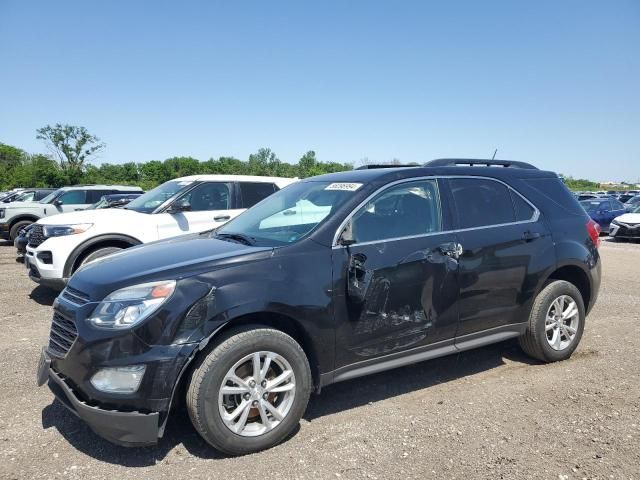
(238, 237)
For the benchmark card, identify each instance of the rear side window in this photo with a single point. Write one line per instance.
(524, 211)
(94, 196)
(254, 192)
(481, 202)
(557, 192)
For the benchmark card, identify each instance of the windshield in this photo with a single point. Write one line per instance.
(594, 206)
(49, 198)
(290, 214)
(151, 200)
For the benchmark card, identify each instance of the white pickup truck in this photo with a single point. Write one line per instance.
(61, 244)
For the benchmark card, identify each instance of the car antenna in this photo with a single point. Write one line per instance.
(494, 154)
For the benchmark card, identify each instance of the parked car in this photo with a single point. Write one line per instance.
(632, 203)
(28, 195)
(59, 245)
(626, 226)
(625, 197)
(20, 242)
(17, 215)
(107, 201)
(603, 210)
(586, 196)
(392, 266)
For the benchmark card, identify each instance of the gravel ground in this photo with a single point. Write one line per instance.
(488, 413)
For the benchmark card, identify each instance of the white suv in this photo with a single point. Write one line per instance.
(59, 245)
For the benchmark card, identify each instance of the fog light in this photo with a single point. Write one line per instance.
(119, 379)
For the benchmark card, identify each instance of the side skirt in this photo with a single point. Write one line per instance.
(420, 354)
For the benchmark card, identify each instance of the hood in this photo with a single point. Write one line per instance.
(171, 259)
(22, 205)
(629, 218)
(89, 216)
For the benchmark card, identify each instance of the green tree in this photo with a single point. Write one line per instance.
(71, 145)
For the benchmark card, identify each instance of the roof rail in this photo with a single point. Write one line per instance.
(384, 165)
(453, 162)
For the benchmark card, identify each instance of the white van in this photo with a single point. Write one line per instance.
(59, 245)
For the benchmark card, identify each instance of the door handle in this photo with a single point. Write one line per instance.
(528, 236)
(221, 218)
(451, 249)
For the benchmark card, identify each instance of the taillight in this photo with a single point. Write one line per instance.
(594, 232)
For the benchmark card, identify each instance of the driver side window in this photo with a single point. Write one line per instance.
(209, 196)
(73, 197)
(405, 210)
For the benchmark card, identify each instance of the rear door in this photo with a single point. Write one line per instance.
(505, 244)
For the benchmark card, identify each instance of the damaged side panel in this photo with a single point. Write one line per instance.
(393, 296)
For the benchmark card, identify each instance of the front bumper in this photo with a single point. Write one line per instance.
(40, 275)
(130, 429)
(623, 230)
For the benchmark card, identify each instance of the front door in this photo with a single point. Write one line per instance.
(210, 205)
(72, 201)
(396, 286)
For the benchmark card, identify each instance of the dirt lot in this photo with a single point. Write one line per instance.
(489, 413)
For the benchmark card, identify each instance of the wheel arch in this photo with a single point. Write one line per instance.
(20, 218)
(92, 244)
(577, 276)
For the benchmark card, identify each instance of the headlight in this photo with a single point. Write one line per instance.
(615, 222)
(62, 230)
(129, 306)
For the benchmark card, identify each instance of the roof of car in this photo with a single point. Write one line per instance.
(391, 174)
(125, 188)
(236, 178)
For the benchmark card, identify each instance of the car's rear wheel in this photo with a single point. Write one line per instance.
(15, 229)
(556, 322)
(250, 391)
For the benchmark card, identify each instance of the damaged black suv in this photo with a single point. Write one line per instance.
(332, 278)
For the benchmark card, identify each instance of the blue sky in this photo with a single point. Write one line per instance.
(556, 83)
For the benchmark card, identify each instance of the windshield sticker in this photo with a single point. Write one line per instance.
(346, 187)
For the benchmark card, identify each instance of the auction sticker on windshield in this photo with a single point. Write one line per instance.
(347, 187)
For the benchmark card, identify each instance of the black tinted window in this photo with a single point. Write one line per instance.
(254, 192)
(557, 192)
(482, 202)
(209, 196)
(95, 195)
(401, 211)
(73, 197)
(524, 211)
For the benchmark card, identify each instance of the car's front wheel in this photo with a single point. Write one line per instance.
(556, 322)
(250, 391)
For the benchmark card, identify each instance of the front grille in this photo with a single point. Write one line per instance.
(63, 334)
(75, 296)
(36, 235)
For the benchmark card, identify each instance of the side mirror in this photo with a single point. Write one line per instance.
(58, 203)
(180, 205)
(346, 237)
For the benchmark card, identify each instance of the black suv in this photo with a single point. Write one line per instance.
(331, 278)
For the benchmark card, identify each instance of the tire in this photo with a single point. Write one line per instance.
(204, 396)
(536, 341)
(99, 253)
(13, 233)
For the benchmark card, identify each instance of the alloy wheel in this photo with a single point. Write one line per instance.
(562, 321)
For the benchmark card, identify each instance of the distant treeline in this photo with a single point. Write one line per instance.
(21, 169)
